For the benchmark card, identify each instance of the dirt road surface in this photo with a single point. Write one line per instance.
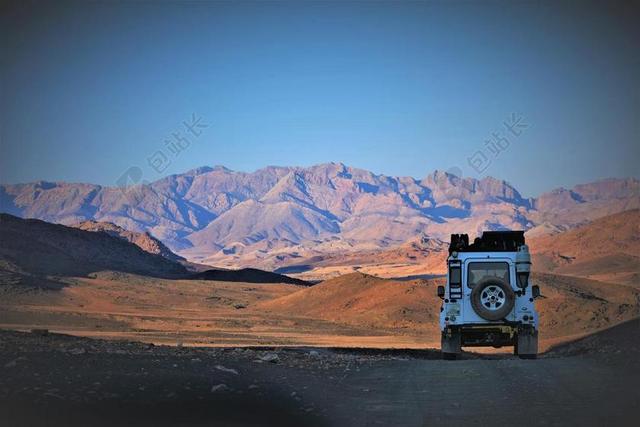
(58, 380)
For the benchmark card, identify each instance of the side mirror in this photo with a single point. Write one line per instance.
(441, 292)
(535, 291)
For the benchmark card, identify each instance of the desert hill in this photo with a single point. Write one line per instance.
(32, 249)
(144, 241)
(31, 246)
(607, 249)
(367, 301)
(574, 305)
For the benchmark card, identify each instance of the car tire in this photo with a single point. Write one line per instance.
(498, 308)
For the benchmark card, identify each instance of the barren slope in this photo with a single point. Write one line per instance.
(607, 249)
(31, 246)
(574, 306)
(144, 241)
(366, 301)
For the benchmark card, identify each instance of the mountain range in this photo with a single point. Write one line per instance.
(276, 216)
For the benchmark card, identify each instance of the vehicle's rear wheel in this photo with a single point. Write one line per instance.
(492, 298)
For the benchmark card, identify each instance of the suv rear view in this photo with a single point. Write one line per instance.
(488, 299)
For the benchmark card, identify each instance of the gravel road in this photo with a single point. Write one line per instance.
(58, 380)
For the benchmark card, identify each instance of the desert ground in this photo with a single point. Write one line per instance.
(191, 312)
(74, 381)
(355, 310)
(97, 330)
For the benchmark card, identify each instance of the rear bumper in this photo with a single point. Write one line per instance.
(496, 335)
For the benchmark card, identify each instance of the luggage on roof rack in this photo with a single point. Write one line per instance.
(489, 241)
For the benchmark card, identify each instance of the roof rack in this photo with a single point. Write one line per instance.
(489, 241)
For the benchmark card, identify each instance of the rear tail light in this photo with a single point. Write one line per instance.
(455, 280)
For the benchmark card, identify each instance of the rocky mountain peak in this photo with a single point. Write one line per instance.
(326, 207)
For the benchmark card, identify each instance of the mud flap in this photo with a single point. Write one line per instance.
(527, 345)
(451, 342)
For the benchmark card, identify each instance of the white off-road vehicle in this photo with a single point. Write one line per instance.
(488, 300)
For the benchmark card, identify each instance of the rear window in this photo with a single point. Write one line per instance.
(481, 270)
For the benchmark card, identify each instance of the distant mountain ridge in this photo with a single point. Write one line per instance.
(277, 215)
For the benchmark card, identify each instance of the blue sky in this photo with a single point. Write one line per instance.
(89, 90)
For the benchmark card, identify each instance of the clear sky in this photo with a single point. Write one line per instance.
(91, 89)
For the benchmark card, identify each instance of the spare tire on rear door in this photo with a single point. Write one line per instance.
(492, 298)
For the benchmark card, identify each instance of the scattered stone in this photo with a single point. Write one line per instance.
(314, 353)
(11, 364)
(224, 369)
(270, 357)
(239, 306)
(57, 396)
(219, 388)
(253, 386)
